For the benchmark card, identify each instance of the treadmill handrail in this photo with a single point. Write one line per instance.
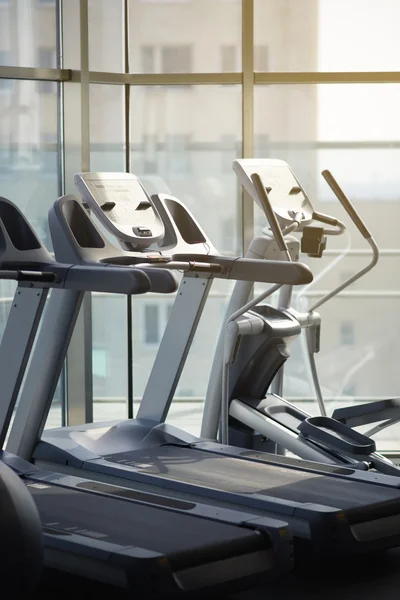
(243, 269)
(116, 280)
(27, 275)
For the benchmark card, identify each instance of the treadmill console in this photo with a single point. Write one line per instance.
(123, 206)
(285, 193)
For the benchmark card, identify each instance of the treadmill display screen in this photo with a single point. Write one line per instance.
(126, 204)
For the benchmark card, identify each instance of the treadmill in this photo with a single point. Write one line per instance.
(142, 542)
(335, 511)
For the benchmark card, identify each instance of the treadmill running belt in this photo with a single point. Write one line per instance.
(184, 539)
(233, 475)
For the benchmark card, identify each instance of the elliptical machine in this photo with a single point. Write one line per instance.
(254, 342)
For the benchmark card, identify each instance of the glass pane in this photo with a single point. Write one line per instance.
(109, 323)
(190, 158)
(28, 33)
(185, 36)
(29, 169)
(107, 136)
(339, 128)
(183, 142)
(106, 36)
(349, 129)
(327, 35)
(109, 355)
(28, 150)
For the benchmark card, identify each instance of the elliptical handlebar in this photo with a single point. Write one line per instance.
(270, 213)
(347, 205)
(364, 231)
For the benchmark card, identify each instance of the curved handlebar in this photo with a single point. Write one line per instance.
(347, 205)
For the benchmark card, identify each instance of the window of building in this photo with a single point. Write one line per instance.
(156, 317)
(5, 84)
(165, 1)
(99, 359)
(229, 59)
(350, 389)
(347, 333)
(46, 2)
(152, 324)
(47, 60)
(178, 156)
(148, 55)
(261, 145)
(261, 58)
(176, 59)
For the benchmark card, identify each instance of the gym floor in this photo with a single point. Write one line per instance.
(363, 578)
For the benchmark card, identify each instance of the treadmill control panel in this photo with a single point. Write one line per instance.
(123, 207)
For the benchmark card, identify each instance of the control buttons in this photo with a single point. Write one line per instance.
(142, 231)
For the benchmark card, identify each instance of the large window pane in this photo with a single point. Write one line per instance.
(29, 170)
(109, 356)
(28, 33)
(327, 35)
(183, 143)
(28, 151)
(106, 36)
(107, 143)
(185, 36)
(353, 131)
(109, 322)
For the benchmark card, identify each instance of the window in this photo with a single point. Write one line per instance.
(178, 154)
(261, 58)
(347, 333)
(99, 358)
(165, 1)
(229, 56)
(350, 389)
(46, 2)
(47, 60)
(5, 84)
(155, 320)
(148, 59)
(344, 276)
(176, 59)
(152, 324)
(261, 144)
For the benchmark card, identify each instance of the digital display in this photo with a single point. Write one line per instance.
(125, 203)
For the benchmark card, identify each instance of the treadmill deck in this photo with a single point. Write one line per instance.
(207, 469)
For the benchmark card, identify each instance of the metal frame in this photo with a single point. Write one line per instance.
(22, 324)
(78, 405)
(247, 79)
